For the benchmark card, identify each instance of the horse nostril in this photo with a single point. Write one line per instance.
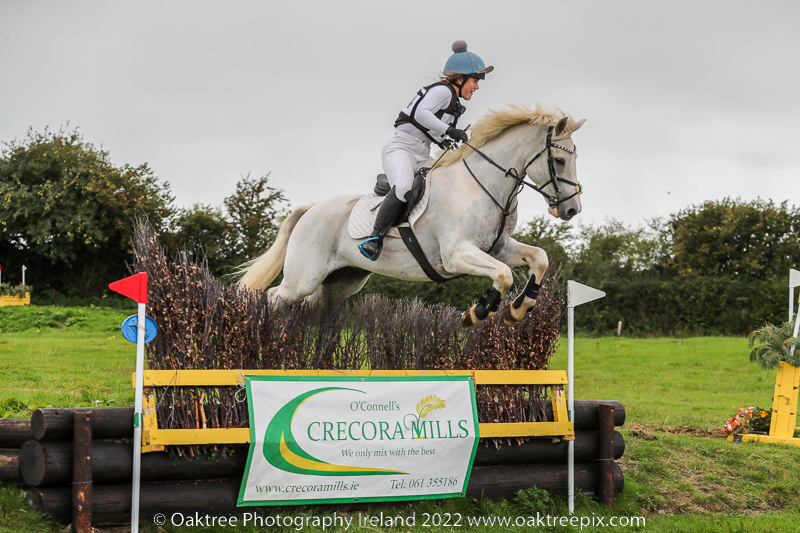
(571, 212)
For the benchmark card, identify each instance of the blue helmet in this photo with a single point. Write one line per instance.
(466, 63)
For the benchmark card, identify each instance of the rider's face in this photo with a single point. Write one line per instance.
(470, 86)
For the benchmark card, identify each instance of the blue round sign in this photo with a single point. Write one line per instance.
(129, 328)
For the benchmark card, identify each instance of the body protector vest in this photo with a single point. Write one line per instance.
(455, 109)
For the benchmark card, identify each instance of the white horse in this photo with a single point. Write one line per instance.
(465, 229)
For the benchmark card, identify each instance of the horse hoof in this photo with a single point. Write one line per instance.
(508, 316)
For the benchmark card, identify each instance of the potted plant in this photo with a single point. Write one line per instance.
(771, 345)
(775, 346)
(18, 295)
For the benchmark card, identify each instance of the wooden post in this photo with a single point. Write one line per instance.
(605, 477)
(82, 474)
(784, 401)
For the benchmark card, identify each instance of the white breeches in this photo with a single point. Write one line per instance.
(402, 156)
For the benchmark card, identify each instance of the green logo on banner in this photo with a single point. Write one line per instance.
(282, 451)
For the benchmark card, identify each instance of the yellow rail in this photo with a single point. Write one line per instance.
(230, 378)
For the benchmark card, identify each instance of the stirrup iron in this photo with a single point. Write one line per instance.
(372, 255)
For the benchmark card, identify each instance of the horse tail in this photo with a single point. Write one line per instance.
(258, 273)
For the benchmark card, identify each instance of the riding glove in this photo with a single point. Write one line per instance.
(457, 134)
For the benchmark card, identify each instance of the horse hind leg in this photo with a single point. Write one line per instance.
(339, 285)
(296, 285)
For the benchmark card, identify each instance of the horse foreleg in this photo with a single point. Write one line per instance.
(518, 254)
(469, 259)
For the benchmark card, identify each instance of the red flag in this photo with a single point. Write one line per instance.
(134, 287)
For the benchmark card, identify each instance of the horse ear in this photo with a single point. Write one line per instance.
(561, 125)
(578, 124)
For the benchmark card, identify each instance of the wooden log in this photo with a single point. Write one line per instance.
(544, 450)
(50, 463)
(9, 467)
(586, 413)
(112, 503)
(82, 474)
(504, 481)
(605, 478)
(117, 422)
(14, 432)
(107, 423)
(45, 463)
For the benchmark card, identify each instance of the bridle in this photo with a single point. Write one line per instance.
(552, 200)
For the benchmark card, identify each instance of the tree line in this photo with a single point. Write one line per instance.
(67, 211)
(717, 268)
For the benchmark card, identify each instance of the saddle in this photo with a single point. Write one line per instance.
(412, 197)
(362, 217)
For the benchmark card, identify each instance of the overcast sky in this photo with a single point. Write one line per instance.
(685, 101)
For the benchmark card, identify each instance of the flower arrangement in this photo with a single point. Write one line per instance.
(748, 420)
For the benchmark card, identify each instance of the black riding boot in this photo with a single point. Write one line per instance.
(387, 213)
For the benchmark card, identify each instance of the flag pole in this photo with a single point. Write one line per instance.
(137, 419)
(135, 287)
(571, 407)
(577, 294)
(794, 281)
(796, 328)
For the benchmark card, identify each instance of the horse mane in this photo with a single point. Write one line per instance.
(496, 122)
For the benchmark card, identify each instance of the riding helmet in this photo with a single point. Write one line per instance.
(465, 62)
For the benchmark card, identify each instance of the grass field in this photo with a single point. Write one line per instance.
(64, 357)
(694, 383)
(680, 474)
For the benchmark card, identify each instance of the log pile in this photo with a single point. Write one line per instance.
(179, 484)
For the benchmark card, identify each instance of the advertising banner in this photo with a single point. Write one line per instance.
(358, 439)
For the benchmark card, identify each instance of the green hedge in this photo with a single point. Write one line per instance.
(684, 306)
(647, 304)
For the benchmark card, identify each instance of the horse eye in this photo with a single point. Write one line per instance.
(561, 161)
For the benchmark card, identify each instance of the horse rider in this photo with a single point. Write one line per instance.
(432, 114)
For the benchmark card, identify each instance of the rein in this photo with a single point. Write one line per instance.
(552, 200)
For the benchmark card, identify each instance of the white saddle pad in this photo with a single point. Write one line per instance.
(362, 217)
